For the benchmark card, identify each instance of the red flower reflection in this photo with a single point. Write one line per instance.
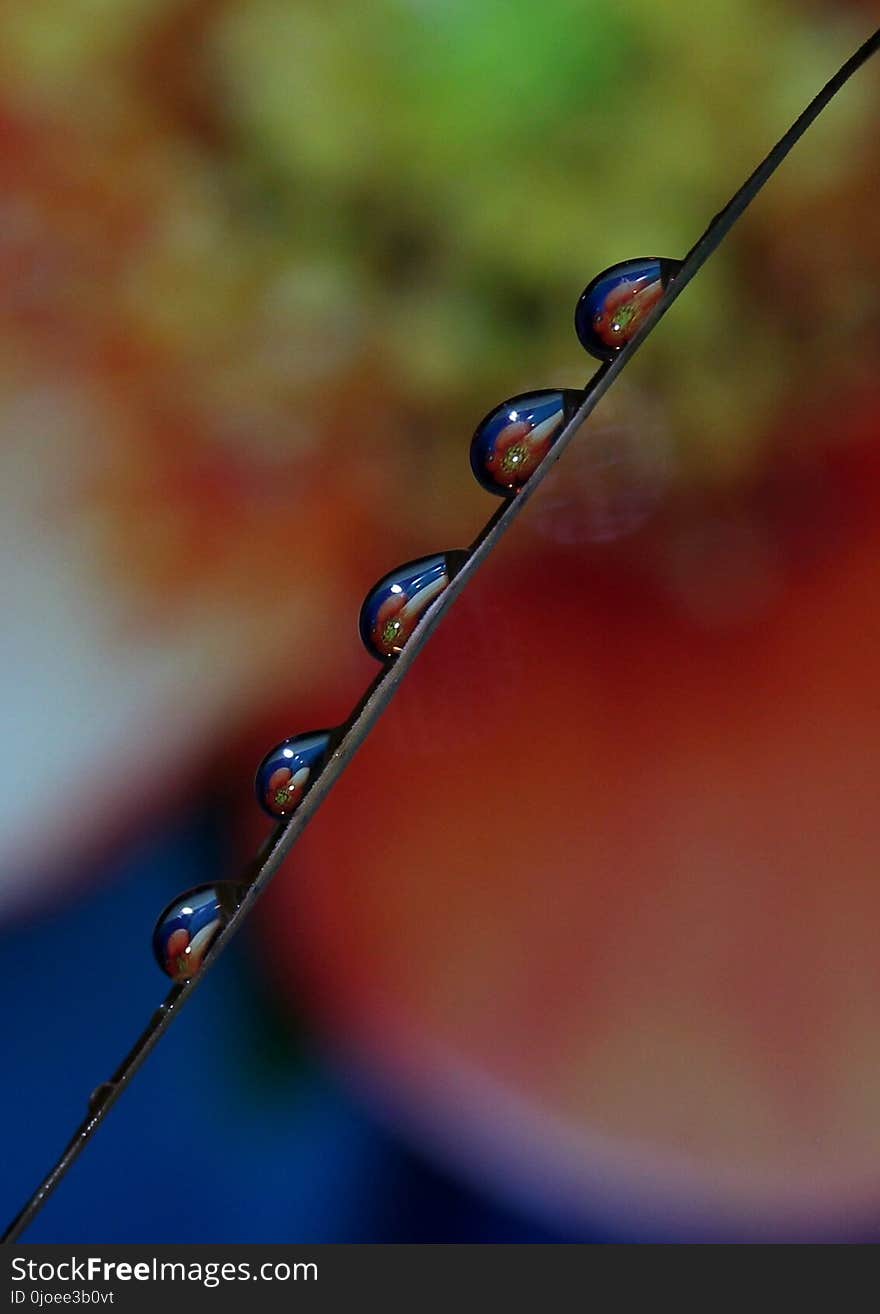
(176, 956)
(625, 307)
(393, 624)
(519, 450)
(283, 791)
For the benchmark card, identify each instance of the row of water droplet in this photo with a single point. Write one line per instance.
(508, 446)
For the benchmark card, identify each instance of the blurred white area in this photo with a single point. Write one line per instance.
(99, 716)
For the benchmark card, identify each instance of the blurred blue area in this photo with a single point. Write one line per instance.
(233, 1131)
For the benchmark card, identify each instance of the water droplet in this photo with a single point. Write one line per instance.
(189, 925)
(612, 308)
(512, 441)
(394, 607)
(100, 1095)
(289, 769)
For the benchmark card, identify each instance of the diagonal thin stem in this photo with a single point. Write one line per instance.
(382, 690)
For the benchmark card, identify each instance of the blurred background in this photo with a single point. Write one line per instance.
(584, 944)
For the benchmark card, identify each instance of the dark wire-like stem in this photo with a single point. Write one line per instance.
(382, 690)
